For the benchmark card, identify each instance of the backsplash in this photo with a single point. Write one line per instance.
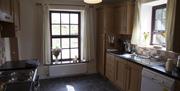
(153, 52)
(2, 51)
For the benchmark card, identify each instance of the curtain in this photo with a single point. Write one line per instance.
(171, 10)
(136, 39)
(88, 36)
(46, 48)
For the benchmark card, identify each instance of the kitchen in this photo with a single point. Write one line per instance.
(109, 47)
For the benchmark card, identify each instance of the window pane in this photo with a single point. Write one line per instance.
(74, 42)
(74, 29)
(65, 54)
(74, 18)
(74, 53)
(160, 19)
(64, 29)
(55, 18)
(159, 39)
(55, 43)
(65, 42)
(64, 18)
(55, 29)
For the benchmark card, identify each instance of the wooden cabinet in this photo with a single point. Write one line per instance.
(124, 13)
(133, 77)
(110, 67)
(105, 19)
(121, 73)
(6, 10)
(177, 86)
(10, 12)
(16, 14)
(127, 75)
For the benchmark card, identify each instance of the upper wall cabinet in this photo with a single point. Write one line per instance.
(124, 15)
(105, 19)
(16, 14)
(6, 10)
(10, 12)
(116, 18)
(9, 17)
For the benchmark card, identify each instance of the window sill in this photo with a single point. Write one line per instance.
(65, 63)
(153, 47)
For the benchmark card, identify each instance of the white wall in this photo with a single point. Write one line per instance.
(30, 36)
(29, 39)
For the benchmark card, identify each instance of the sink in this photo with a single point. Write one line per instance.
(144, 60)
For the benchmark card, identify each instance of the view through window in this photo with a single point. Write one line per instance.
(65, 35)
(158, 34)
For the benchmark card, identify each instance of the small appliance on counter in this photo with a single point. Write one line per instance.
(14, 75)
(127, 46)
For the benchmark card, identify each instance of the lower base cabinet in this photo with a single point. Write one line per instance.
(110, 67)
(124, 74)
(121, 73)
(177, 86)
(133, 77)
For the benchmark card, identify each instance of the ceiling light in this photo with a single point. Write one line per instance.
(92, 1)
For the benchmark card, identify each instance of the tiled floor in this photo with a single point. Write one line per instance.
(93, 82)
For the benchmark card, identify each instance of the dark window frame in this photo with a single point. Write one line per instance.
(66, 36)
(154, 8)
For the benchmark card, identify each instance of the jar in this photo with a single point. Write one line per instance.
(169, 65)
(178, 62)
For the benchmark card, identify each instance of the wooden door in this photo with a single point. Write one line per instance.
(134, 77)
(121, 74)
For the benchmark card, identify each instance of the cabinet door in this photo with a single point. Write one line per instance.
(110, 67)
(177, 86)
(16, 14)
(100, 21)
(120, 19)
(109, 19)
(130, 17)
(121, 74)
(134, 77)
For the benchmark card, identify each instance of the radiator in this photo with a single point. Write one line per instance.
(67, 69)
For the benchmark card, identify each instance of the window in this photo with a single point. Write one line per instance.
(65, 34)
(158, 34)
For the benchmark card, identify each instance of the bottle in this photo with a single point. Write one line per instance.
(178, 62)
